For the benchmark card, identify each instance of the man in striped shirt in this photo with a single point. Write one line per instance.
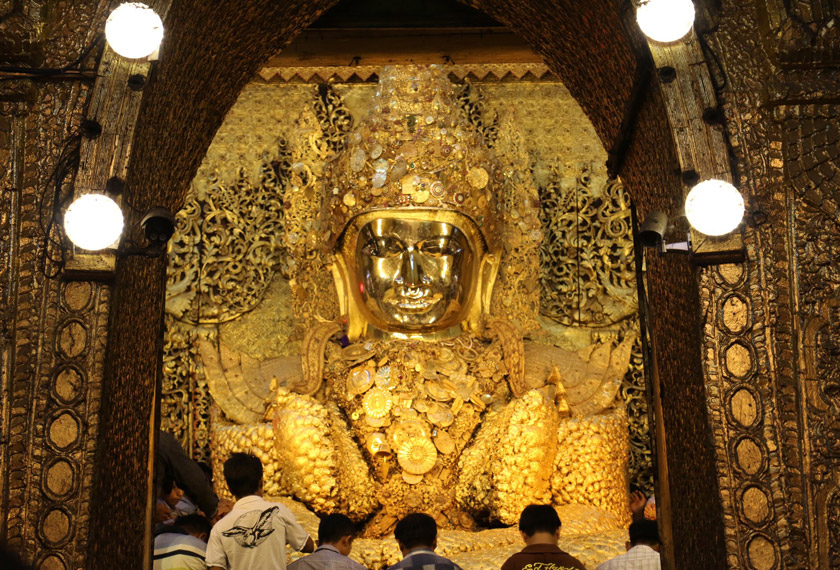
(181, 546)
(335, 540)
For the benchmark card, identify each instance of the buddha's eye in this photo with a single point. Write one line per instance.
(439, 246)
(386, 246)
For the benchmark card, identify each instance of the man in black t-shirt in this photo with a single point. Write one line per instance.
(540, 529)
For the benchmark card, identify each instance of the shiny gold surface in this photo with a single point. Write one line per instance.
(438, 404)
(586, 533)
(464, 291)
(406, 418)
(413, 275)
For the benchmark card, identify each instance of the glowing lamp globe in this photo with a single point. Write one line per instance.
(134, 30)
(93, 221)
(714, 207)
(665, 20)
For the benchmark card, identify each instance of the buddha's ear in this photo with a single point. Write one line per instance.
(487, 271)
(347, 306)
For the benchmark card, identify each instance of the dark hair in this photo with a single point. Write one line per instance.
(644, 532)
(167, 483)
(416, 529)
(334, 527)
(539, 518)
(197, 524)
(243, 474)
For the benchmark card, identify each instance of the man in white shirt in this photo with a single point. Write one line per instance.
(335, 541)
(253, 536)
(642, 549)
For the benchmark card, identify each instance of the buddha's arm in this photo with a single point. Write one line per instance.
(240, 384)
(589, 377)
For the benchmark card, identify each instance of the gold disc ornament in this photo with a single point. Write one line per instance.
(405, 431)
(377, 403)
(478, 177)
(410, 478)
(417, 455)
(359, 381)
(444, 442)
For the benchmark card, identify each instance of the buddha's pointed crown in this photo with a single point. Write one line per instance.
(415, 150)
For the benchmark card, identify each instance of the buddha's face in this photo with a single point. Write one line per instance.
(413, 275)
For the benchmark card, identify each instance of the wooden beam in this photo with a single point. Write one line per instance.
(323, 48)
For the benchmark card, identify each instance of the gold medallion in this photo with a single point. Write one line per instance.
(444, 442)
(410, 478)
(405, 431)
(377, 403)
(441, 416)
(355, 353)
(376, 422)
(478, 177)
(383, 377)
(359, 381)
(437, 392)
(417, 455)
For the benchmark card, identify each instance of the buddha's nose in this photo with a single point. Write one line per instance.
(411, 274)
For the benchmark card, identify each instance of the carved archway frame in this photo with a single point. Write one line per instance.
(170, 124)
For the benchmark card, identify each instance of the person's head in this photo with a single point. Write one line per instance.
(644, 532)
(197, 525)
(170, 492)
(243, 474)
(417, 530)
(539, 524)
(337, 530)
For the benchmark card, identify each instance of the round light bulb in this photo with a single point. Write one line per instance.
(93, 221)
(665, 20)
(714, 207)
(134, 30)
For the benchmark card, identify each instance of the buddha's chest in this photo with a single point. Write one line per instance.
(417, 404)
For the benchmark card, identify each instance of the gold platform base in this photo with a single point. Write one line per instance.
(588, 533)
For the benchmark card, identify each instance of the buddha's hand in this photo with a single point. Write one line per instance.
(321, 463)
(240, 384)
(587, 380)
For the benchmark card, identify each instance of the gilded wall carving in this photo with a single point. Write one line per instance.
(53, 336)
(742, 402)
(588, 279)
(771, 350)
(812, 162)
(223, 259)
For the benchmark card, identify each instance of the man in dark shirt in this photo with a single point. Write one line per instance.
(540, 529)
(416, 536)
(173, 463)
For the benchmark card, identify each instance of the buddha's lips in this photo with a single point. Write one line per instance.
(412, 299)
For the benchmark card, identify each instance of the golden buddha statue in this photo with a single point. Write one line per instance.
(424, 396)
